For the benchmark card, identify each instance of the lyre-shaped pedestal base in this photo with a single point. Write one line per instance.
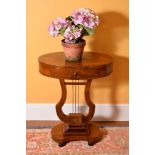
(76, 126)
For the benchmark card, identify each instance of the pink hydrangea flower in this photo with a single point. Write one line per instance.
(82, 22)
(85, 17)
(56, 25)
(72, 33)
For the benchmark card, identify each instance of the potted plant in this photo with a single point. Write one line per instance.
(81, 22)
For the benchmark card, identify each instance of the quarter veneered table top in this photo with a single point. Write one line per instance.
(93, 65)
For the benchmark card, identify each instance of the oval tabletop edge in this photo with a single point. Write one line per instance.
(89, 59)
(93, 65)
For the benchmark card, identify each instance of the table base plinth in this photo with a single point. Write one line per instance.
(92, 137)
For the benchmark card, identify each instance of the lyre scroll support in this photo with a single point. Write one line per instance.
(65, 118)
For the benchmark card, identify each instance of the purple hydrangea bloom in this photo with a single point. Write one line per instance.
(72, 33)
(85, 17)
(56, 25)
(82, 22)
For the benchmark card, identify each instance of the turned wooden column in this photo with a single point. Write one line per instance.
(75, 126)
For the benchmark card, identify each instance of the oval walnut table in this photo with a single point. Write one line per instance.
(75, 126)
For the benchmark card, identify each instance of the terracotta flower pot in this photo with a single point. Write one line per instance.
(73, 52)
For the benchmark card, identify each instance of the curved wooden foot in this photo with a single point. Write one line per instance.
(91, 143)
(93, 136)
(61, 144)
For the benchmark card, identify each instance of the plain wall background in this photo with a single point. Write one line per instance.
(111, 37)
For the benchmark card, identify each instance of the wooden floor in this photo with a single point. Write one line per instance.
(98, 123)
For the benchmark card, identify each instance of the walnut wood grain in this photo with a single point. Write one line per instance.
(94, 135)
(60, 104)
(93, 65)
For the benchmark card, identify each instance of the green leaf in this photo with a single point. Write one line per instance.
(84, 32)
(80, 26)
(69, 18)
(89, 31)
(62, 31)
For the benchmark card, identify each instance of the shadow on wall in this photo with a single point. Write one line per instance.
(114, 29)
